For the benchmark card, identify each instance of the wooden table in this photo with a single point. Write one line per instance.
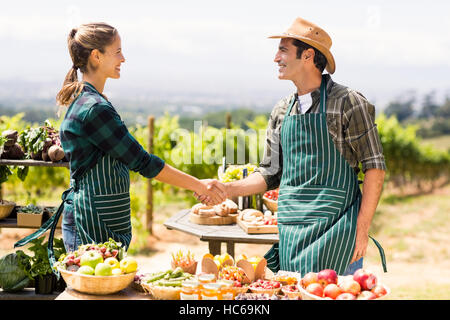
(128, 293)
(216, 234)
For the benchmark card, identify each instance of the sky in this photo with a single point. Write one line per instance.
(383, 49)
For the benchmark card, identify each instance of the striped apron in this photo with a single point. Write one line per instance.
(319, 198)
(101, 206)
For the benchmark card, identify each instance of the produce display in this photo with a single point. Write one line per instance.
(103, 259)
(326, 284)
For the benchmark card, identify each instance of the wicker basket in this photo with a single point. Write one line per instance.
(291, 294)
(265, 291)
(6, 207)
(272, 205)
(100, 285)
(162, 293)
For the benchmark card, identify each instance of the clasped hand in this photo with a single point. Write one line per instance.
(212, 192)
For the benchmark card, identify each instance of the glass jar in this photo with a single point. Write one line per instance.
(190, 290)
(211, 291)
(227, 291)
(206, 278)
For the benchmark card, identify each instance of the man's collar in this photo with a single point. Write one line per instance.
(316, 93)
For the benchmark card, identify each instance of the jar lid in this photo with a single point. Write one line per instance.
(212, 286)
(207, 277)
(226, 283)
(190, 283)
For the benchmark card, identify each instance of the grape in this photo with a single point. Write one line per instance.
(233, 173)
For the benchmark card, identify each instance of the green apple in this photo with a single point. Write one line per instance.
(113, 262)
(103, 269)
(128, 265)
(91, 258)
(86, 270)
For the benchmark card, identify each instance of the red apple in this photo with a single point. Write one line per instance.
(346, 296)
(379, 290)
(327, 276)
(310, 277)
(366, 295)
(351, 286)
(332, 291)
(316, 289)
(366, 279)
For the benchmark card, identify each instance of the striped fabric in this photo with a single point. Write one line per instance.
(318, 202)
(102, 203)
(350, 120)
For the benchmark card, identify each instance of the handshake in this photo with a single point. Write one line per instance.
(212, 192)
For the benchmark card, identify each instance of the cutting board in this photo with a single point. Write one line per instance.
(215, 220)
(256, 229)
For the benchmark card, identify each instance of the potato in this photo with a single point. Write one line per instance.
(55, 153)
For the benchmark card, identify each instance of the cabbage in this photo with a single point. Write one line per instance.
(15, 271)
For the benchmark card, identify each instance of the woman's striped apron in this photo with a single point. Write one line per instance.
(100, 200)
(319, 198)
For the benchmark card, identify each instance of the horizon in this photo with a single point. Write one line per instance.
(220, 52)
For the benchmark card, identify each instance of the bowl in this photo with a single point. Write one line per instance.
(162, 293)
(308, 296)
(265, 291)
(272, 205)
(291, 294)
(6, 207)
(99, 285)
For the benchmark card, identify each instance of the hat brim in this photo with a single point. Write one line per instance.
(331, 64)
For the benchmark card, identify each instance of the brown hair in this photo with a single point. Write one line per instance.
(81, 41)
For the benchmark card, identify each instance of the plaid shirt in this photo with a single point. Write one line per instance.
(92, 128)
(350, 122)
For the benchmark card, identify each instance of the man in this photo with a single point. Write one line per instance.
(316, 139)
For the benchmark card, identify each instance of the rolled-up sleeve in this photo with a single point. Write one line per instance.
(107, 132)
(362, 133)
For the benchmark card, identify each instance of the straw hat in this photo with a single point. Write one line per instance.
(313, 35)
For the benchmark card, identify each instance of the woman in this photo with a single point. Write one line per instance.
(100, 149)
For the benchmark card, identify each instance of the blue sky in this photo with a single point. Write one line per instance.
(381, 48)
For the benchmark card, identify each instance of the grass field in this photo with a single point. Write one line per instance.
(440, 143)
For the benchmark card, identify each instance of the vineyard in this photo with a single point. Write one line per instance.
(200, 152)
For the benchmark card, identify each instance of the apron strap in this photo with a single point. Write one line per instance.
(323, 98)
(323, 95)
(381, 250)
(49, 224)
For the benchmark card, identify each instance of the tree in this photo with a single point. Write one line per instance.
(401, 109)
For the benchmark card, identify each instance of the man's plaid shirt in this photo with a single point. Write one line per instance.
(351, 124)
(92, 128)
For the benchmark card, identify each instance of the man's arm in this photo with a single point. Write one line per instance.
(372, 186)
(253, 184)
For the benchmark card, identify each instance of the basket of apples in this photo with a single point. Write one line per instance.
(100, 269)
(327, 285)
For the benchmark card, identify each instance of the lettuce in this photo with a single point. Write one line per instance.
(15, 271)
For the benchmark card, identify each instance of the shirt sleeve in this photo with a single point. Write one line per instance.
(362, 133)
(107, 131)
(270, 166)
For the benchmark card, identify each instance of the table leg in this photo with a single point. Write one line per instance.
(230, 248)
(214, 247)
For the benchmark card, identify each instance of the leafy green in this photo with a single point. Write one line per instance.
(40, 263)
(15, 272)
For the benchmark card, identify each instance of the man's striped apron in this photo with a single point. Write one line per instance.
(101, 206)
(319, 198)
